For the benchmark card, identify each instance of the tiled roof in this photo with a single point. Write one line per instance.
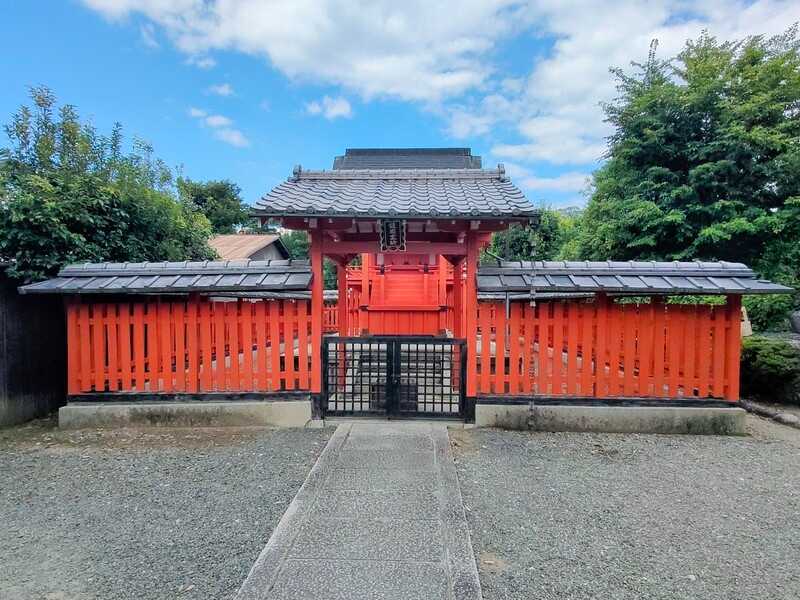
(407, 158)
(240, 246)
(177, 277)
(398, 193)
(625, 277)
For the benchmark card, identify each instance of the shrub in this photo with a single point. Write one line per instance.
(770, 312)
(770, 369)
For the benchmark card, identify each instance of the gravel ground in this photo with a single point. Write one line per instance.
(633, 516)
(142, 514)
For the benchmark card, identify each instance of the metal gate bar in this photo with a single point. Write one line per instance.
(401, 376)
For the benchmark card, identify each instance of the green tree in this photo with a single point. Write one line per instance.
(220, 201)
(704, 161)
(297, 243)
(554, 237)
(68, 194)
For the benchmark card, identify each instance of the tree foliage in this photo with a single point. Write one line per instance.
(69, 194)
(704, 161)
(220, 201)
(553, 237)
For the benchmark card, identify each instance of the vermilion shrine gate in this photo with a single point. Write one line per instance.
(419, 327)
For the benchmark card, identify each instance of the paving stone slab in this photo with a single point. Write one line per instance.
(387, 504)
(380, 516)
(366, 538)
(362, 580)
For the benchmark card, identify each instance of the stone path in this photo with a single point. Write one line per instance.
(379, 517)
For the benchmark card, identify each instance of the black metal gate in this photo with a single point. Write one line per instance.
(396, 376)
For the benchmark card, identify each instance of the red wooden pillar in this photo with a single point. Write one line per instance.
(471, 313)
(458, 299)
(317, 307)
(733, 346)
(341, 304)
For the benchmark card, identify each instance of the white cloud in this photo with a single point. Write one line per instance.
(222, 89)
(201, 62)
(330, 108)
(566, 182)
(556, 111)
(147, 33)
(572, 181)
(423, 51)
(428, 52)
(222, 126)
(234, 137)
(218, 121)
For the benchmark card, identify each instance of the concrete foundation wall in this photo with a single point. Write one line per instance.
(296, 413)
(613, 419)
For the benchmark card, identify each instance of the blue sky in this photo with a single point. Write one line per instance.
(245, 89)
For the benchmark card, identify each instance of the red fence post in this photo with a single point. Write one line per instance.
(317, 306)
(734, 346)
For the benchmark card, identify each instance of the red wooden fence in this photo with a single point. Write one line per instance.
(192, 346)
(604, 349)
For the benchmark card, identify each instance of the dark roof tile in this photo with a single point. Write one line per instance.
(177, 277)
(559, 277)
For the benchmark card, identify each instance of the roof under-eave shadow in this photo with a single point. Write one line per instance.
(177, 278)
(649, 278)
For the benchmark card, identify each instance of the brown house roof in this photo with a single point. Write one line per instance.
(243, 246)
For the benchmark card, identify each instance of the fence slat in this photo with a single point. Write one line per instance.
(98, 339)
(500, 349)
(302, 342)
(289, 325)
(152, 353)
(689, 358)
(629, 315)
(674, 341)
(558, 348)
(206, 342)
(234, 323)
(261, 342)
(527, 319)
(513, 343)
(179, 329)
(275, 346)
(165, 340)
(543, 356)
(588, 316)
(112, 377)
(219, 368)
(573, 333)
(645, 349)
(124, 333)
(486, 345)
(704, 350)
(247, 375)
(192, 346)
(733, 313)
(140, 364)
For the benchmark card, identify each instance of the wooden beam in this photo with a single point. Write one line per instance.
(344, 247)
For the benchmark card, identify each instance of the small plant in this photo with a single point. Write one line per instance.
(770, 369)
